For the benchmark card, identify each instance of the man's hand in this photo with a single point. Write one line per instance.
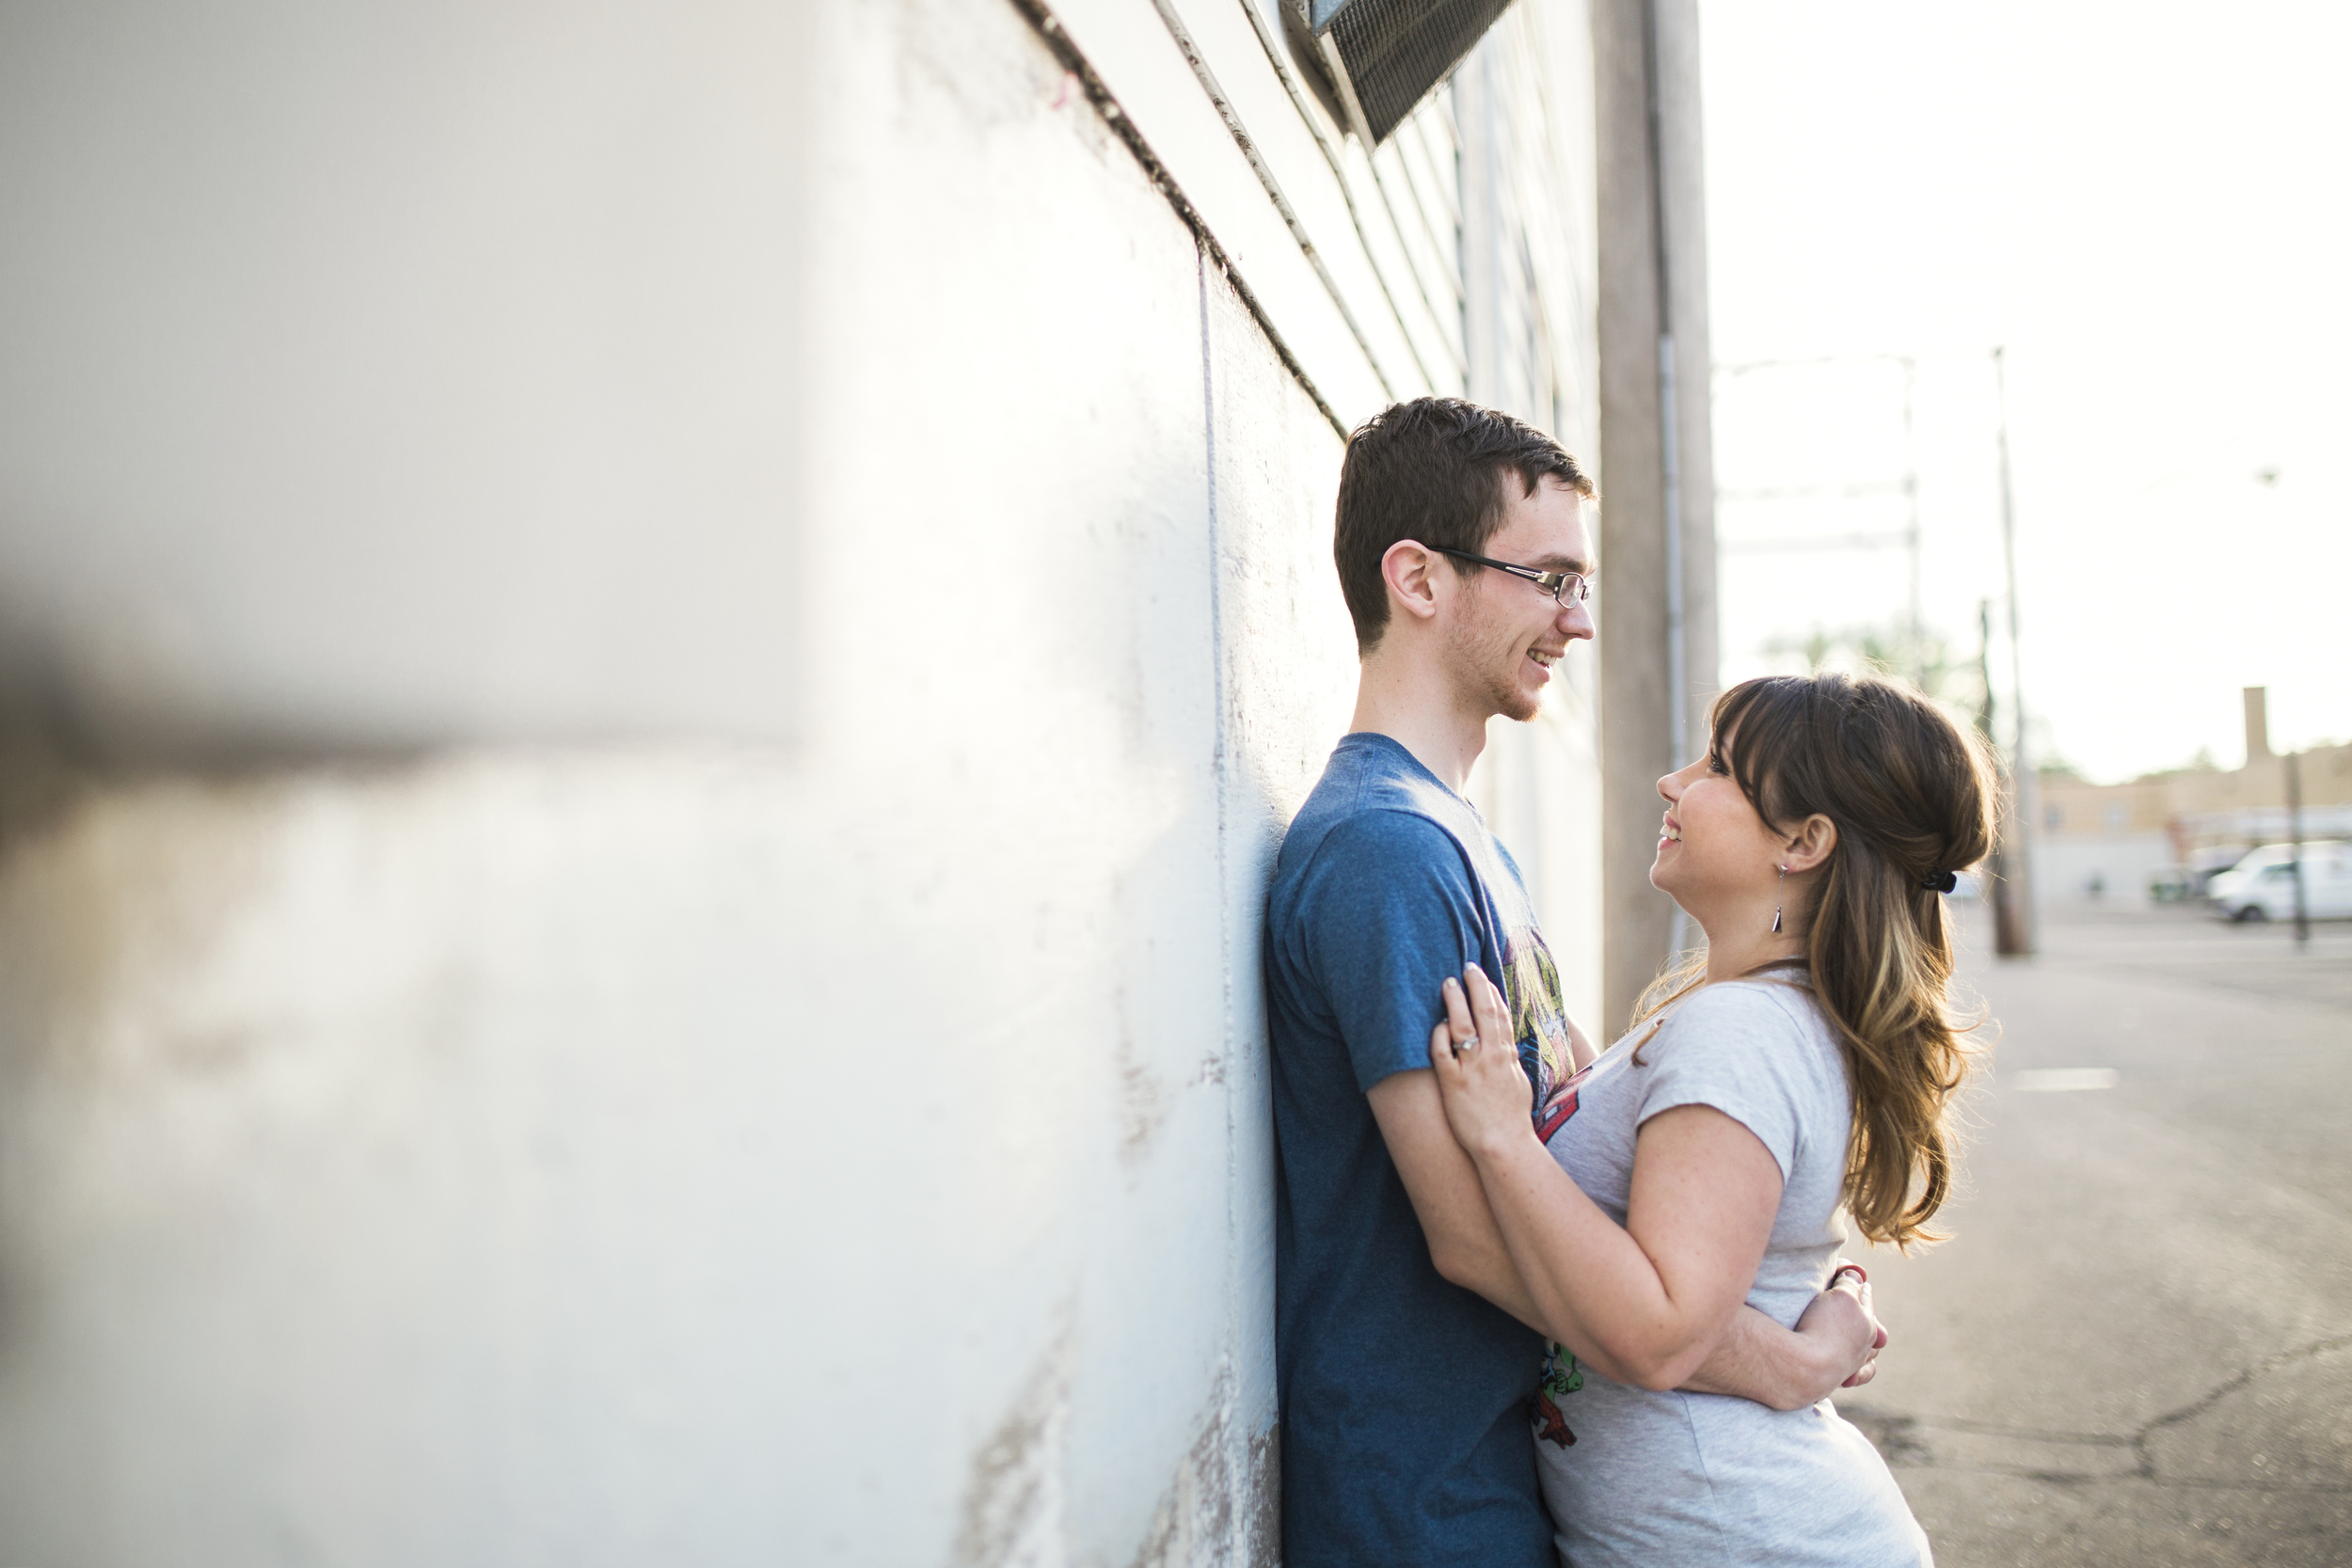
(1848, 1298)
(1835, 1345)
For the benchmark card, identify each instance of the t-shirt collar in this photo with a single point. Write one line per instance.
(1372, 740)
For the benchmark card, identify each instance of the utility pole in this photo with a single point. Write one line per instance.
(1910, 493)
(1984, 673)
(2012, 891)
(1997, 864)
(2294, 838)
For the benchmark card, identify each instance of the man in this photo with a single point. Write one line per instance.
(1406, 1349)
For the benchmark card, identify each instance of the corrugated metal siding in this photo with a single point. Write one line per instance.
(1378, 237)
(1383, 275)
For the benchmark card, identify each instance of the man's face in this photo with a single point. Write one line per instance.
(1508, 632)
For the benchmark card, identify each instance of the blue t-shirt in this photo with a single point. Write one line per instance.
(1403, 1398)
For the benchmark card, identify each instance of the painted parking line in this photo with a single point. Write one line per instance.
(2062, 1080)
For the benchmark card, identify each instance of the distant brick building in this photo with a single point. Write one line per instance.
(2116, 836)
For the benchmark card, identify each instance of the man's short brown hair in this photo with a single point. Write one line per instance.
(1431, 470)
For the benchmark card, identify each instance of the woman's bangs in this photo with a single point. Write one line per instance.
(1756, 724)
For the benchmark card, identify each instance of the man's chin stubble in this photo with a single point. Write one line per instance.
(1514, 701)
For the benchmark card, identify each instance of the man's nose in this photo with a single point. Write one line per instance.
(1576, 622)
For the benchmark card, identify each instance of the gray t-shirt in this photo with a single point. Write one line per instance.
(1639, 1478)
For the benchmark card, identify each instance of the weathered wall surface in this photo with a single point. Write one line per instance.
(639, 942)
(399, 375)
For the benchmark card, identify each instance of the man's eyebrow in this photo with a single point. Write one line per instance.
(1562, 563)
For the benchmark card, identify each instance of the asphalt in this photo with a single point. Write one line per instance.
(2137, 1348)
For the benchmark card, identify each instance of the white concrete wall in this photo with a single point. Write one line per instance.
(664, 652)
(2064, 865)
(1528, 177)
(390, 376)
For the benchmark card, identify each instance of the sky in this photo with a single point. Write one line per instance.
(2149, 209)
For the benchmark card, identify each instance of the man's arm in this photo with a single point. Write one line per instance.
(1835, 1344)
(1464, 1242)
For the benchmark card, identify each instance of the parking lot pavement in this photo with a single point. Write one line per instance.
(2261, 956)
(2137, 1347)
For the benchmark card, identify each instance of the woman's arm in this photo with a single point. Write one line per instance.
(1646, 1304)
(1835, 1341)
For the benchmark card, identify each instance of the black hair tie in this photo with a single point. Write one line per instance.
(1942, 882)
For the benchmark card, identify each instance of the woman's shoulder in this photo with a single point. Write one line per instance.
(1745, 1007)
(1760, 1024)
(1752, 1049)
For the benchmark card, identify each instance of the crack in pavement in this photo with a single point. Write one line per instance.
(1897, 1436)
(2085, 1477)
(2264, 1368)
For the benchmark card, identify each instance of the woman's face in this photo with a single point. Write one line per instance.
(1712, 847)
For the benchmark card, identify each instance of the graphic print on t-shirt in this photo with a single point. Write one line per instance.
(1562, 1376)
(1531, 987)
(1561, 1106)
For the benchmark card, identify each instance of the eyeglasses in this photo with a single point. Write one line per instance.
(1568, 588)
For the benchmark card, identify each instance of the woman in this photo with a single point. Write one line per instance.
(1805, 1064)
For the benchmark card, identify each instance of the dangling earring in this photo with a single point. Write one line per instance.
(1777, 896)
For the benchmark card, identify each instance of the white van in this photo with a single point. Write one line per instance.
(2261, 886)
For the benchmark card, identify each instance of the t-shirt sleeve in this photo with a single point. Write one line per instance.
(1743, 1050)
(1388, 913)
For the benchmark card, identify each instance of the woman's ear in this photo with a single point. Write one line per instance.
(1811, 843)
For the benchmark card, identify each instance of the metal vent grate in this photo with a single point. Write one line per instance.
(1392, 52)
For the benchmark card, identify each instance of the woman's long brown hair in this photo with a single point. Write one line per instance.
(1911, 796)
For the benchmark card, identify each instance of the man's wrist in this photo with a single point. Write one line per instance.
(1825, 1360)
(1824, 1343)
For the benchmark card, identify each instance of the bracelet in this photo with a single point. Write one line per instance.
(1842, 1271)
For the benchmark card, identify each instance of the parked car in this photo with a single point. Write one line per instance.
(2246, 864)
(2261, 886)
(2211, 861)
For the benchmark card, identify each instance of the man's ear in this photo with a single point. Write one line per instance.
(1409, 568)
(1811, 845)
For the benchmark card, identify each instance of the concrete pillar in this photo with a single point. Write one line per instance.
(1652, 199)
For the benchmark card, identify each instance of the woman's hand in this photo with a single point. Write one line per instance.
(1487, 1097)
